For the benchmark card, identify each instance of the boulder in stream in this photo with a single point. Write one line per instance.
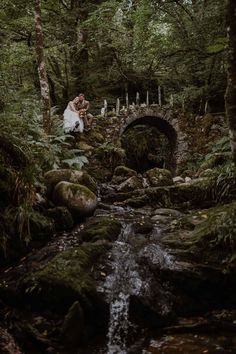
(80, 200)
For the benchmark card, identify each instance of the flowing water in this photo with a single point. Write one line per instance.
(126, 280)
(123, 282)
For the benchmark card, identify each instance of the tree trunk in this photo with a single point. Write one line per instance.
(44, 86)
(230, 96)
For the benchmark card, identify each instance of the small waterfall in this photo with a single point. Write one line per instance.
(120, 284)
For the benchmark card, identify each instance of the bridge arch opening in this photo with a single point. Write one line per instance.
(149, 142)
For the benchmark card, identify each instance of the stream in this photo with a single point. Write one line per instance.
(126, 280)
(135, 282)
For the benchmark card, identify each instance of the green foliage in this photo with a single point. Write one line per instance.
(75, 162)
(225, 184)
(221, 145)
(25, 154)
(111, 155)
(218, 232)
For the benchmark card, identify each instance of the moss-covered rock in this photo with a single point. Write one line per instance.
(66, 278)
(215, 237)
(121, 174)
(124, 171)
(77, 198)
(63, 219)
(101, 228)
(130, 184)
(41, 226)
(159, 177)
(53, 177)
(94, 137)
(198, 193)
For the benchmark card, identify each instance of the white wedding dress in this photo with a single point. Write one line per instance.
(72, 122)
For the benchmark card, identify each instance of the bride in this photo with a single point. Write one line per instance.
(72, 120)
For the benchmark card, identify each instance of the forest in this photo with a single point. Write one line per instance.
(117, 237)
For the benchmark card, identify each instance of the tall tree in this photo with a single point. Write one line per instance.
(44, 86)
(230, 97)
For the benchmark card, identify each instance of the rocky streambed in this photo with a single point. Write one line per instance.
(126, 280)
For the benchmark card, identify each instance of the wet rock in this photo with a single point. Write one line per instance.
(77, 198)
(178, 179)
(143, 227)
(159, 177)
(168, 212)
(101, 228)
(73, 328)
(66, 278)
(53, 177)
(63, 219)
(130, 184)
(188, 179)
(161, 219)
(136, 202)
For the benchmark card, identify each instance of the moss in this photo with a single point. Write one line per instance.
(93, 137)
(68, 277)
(124, 171)
(110, 155)
(130, 184)
(217, 234)
(41, 226)
(77, 198)
(216, 160)
(63, 219)
(53, 177)
(145, 147)
(196, 194)
(101, 228)
(89, 182)
(159, 177)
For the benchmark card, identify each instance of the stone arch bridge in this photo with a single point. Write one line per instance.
(166, 120)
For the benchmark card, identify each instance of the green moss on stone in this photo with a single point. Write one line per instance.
(102, 228)
(41, 226)
(63, 219)
(219, 228)
(124, 171)
(77, 198)
(159, 177)
(68, 277)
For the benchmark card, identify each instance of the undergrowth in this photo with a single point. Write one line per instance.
(26, 153)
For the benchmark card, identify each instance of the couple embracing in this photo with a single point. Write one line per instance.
(76, 116)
